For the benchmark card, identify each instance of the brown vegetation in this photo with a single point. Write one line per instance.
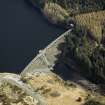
(93, 22)
(55, 13)
(55, 92)
(13, 95)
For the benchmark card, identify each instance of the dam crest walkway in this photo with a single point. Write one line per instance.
(45, 60)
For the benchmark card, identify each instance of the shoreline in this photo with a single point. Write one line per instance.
(50, 21)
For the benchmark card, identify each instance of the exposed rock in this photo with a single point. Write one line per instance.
(14, 92)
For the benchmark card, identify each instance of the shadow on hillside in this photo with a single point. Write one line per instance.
(60, 67)
(67, 73)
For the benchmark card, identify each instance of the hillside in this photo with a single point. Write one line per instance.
(88, 53)
(44, 89)
(89, 13)
(56, 91)
(94, 22)
(86, 43)
(75, 6)
(71, 70)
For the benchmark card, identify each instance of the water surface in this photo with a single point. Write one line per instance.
(23, 31)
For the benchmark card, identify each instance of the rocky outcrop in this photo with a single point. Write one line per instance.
(14, 92)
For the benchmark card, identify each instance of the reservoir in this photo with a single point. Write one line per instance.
(23, 32)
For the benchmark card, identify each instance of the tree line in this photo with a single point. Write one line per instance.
(86, 52)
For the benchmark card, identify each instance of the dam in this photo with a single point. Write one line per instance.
(23, 32)
(46, 59)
